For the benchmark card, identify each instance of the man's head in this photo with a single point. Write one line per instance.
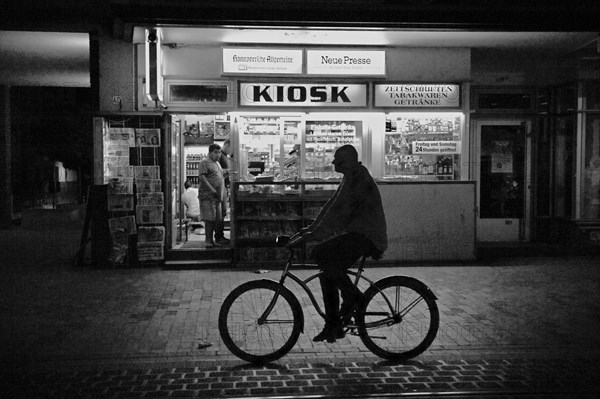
(187, 184)
(345, 158)
(214, 152)
(226, 147)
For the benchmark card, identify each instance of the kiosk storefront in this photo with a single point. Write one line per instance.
(421, 127)
(285, 126)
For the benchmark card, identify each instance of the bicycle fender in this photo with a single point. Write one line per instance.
(284, 288)
(413, 280)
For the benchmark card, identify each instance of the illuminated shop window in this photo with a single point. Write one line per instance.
(422, 146)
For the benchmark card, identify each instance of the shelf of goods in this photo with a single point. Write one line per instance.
(264, 211)
(192, 164)
(321, 140)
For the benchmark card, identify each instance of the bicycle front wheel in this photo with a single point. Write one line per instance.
(399, 318)
(255, 340)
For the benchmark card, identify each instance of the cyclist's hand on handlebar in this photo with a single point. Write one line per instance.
(304, 231)
(299, 238)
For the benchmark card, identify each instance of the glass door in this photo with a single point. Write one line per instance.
(503, 179)
(291, 148)
(176, 182)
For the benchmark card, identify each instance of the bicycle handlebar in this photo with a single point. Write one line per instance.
(288, 241)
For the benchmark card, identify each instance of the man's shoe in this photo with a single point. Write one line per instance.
(323, 335)
(349, 306)
(223, 241)
(330, 334)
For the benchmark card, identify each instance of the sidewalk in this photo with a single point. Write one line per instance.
(512, 323)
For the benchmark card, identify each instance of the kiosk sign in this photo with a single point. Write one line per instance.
(417, 95)
(303, 95)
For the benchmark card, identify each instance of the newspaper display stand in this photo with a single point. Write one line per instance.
(135, 196)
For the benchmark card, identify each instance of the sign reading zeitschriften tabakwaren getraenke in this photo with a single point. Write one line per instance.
(417, 95)
(303, 95)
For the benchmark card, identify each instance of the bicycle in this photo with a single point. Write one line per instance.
(260, 321)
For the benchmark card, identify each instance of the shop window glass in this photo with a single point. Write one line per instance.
(566, 99)
(287, 148)
(423, 146)
(592, 96)
(504, 101)
(544, 101)
(260, 147)
(291, 162)
(591, 168)
(322, 139)
(543, 175)
(502, 172)
(564, 166)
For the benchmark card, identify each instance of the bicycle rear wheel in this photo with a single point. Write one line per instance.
(399, 318)
(258, 342)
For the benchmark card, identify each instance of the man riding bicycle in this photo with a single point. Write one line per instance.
(351, 224)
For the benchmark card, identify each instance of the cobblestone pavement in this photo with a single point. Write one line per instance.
(496, 378)
(515, 325)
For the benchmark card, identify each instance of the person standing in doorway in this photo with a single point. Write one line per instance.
(211, 194)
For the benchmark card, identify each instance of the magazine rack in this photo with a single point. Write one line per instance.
(135, 205)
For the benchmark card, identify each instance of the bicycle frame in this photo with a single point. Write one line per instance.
(304, 285)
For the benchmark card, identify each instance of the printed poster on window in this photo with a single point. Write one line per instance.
(502, 157)
(502, 163)
(147, 137)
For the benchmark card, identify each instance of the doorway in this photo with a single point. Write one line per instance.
(192, 134)
(502, 170)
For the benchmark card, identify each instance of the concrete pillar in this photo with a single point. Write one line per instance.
(6, 206)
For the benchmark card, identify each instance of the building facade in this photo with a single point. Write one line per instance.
(478, 131)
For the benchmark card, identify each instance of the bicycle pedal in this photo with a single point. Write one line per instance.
(352, 331)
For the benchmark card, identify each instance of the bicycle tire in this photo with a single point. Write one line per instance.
(398, 339)
(238, 321)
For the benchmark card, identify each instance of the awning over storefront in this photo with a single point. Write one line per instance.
(44, 59)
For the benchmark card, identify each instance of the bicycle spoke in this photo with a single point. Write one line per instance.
(410, 306)
(252, 336)
(398, 320)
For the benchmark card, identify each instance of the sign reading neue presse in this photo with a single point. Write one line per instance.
(303, 95)
(345, 62)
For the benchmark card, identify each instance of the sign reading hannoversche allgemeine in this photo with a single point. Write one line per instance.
(262, 61)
